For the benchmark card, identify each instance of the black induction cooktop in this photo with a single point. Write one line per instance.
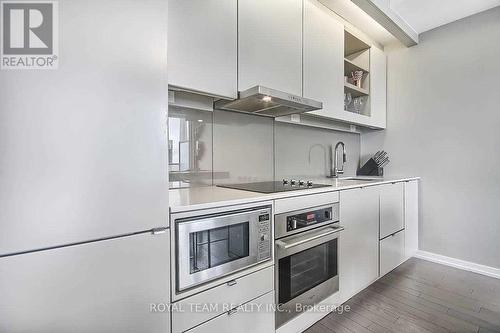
(275, 186)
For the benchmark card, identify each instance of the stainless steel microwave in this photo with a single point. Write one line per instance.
(211, 246)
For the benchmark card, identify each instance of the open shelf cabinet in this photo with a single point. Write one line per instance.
(357, 58)
(355, 91)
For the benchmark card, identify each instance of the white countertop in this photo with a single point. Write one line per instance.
(196, 198)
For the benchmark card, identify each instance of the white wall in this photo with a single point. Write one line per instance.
(443, 125)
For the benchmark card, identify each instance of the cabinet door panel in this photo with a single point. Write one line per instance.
(202, 46)
(391, 209)
(323, 58)
(270, 44)
(378, 88)
(105, 286)
(411, 218)
(255, 316)
(84, 157)
(252, 317)
(392, 252)
(359, 214)
(246, 288)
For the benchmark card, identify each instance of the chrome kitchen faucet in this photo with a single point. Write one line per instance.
(335, 170)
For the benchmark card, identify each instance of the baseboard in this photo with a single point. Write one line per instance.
(457, 263)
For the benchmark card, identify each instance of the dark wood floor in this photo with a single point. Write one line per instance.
(420, 296)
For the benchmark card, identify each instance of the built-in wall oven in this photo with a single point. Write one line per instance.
(306, 266)
(213, 245)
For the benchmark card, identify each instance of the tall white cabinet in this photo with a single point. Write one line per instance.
(270, 44)
(202, 46)
(359, 215)
(105, 286)
(323, 58)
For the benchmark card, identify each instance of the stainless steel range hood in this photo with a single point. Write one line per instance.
(269, 102)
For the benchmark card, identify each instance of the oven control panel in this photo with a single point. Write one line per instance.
(264, 239)
(309, 218)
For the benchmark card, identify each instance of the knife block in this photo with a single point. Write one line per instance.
(371, 168)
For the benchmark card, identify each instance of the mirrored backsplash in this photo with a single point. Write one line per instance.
(304, 152)
(243, 147)
(190, 147)
(210, 147)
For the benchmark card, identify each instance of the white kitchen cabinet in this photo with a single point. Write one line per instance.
(359, 215)
(392, 252)
(115, 285)
(323, 59)
(254, 316)
(270, 44)
(411, 218)
(234, 291)
(378, 88)
(202, 46)
(391, 209)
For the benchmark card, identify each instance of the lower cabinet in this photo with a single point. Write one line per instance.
(381, 232)
(359, 215)
(392, 252)
(411, 218)
(216, 302)
(107, 286)
(399, 235)
(391, 208)
(254, 316)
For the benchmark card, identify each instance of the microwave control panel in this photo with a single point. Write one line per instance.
(264, 240)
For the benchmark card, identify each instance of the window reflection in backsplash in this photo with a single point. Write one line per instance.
(190, 147)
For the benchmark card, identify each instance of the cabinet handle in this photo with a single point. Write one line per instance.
(231, 283)
(232, 311)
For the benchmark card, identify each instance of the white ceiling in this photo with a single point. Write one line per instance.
(423, 15)
(358, 18)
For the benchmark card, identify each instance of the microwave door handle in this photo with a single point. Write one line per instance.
(306, 238)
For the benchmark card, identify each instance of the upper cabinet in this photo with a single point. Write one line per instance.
(364, 73)
(378, 88)
(270, 44)
(301, 47)
(202, 46)
(342, 69)
(323, 58)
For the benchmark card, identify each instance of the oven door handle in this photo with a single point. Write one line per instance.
(298, 241)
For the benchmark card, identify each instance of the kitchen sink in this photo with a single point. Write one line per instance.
(360, 179)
